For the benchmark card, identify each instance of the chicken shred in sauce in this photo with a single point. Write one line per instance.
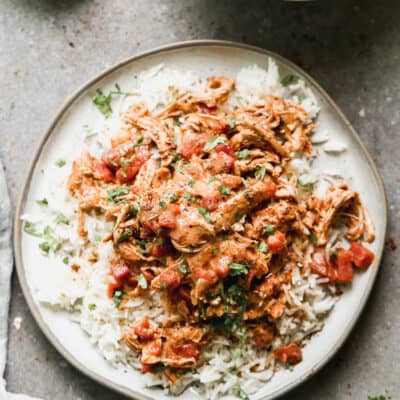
(208, 212)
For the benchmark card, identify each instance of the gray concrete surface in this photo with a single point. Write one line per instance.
(48, 48)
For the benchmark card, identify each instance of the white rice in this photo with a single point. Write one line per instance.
(104, 323)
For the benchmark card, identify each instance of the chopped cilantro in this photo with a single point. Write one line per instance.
(62, 219)
(206, 215)
(262, 247)
(307, 186)
(289, 79)
(113, 194)
(212, 143)
(224, 190)
(162, 204)
(191, 182)
(50, 243)
(45, 247)
(213, 179)
(335, 254)
(313, 238)
(30, 228)
(117, 297)
(183, 267)
(125, 235)
(92, 307)
(177, 122)
(97, 238)
(238, 269)
(214, 251)
(60, 163)
(239, 392)
(142, 245)
(142, 281)
(245, 153)
(235, 353)
(260, 172)
(232, 122)
(103, 102)
(189, 197)
(172, 196)
(135, 209)
(66, 260)
(43, 202)
(289, 367)
(269, 229)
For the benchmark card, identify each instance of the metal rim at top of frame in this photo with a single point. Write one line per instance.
(21, 202)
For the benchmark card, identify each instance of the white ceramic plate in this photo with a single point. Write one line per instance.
(205, 58)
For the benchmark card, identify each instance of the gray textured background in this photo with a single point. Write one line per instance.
(49, 48)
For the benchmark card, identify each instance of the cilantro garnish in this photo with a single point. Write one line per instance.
(213, 142)
(43, 202)
(262, 247)
(239, 392)
(60, 163)
(103, 102)
(245, 153)
(239, 269)
(142, 281)
(113, 194)
(205, 214)
(289, 79)
(260, 173)
(62, 219)
(224, 190)
(183, 267)
(269, 229)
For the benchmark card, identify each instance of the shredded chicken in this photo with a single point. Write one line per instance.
(208, 212)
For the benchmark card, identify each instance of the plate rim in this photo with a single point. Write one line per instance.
(63, 109)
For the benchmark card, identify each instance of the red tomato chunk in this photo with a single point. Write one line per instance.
(344, 267)
(290, 354)
(362, 257)
(276, 242)
(120, 271)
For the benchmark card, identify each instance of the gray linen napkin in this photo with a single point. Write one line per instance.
(6, 264)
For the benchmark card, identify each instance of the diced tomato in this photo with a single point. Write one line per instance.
(362, 257)
(175, 209)
(167, 220)
(162, 248)
(227, 153)
(112, 287)
(211, 201)
(290, 354)
(321, 267)
(207, 110)
(222, 270)
(225, 148)
(276, 242)
(169, 278)
(270, 189)
(148, 368)
(132, 281)
(143, 330)
(120, 270)
(206, 274)
(187, 350)
(103, 172)
(112, 159)
(194, 144)
(127, 173)
(344, 273)
(155, 348)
